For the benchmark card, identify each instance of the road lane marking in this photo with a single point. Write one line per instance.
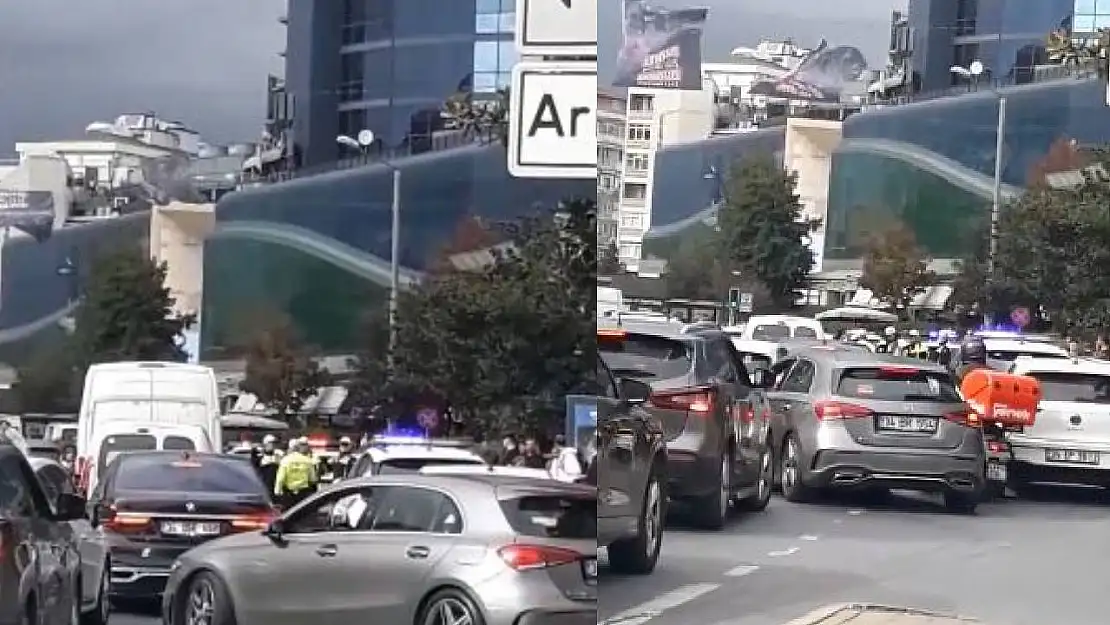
(742, 570)
(785, 552)
(855, 512)
(640, 614)
(808, 537)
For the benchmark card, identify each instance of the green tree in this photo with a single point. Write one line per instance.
(763, 229)
(504, 343)
(49, 382)
(281, 371)
(896, 269)
(483, 118)
(127, 312)
(608, 261)
(370, 382)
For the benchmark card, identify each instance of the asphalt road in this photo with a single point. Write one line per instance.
(1023, 562)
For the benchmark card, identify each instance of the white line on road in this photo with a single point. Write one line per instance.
(785, 552)
(640, 614)
(808, 537)
(742, 570)
(855, 512)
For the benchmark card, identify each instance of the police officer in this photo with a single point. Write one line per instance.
(341, 467)
(296, 476)
(973, 355)
(269, 460)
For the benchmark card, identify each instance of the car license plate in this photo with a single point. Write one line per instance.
(190, 528)
(1075, 456)
(589, 569)
(898, 423)
(996, 472)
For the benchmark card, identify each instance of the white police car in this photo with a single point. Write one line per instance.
(403, 454)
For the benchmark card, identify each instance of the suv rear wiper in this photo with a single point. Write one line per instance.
(632, 373)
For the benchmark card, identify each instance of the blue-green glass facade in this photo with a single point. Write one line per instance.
(317, 249)
(931, 164)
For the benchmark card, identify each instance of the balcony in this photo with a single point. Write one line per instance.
(637, 174)
(641, 114)
(634, 201)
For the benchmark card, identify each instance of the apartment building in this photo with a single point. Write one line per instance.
(612, 104)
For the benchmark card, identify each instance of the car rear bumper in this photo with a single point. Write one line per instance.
(894, 469)
(140, 571)
(1078, 475)
(691, 473)
(539, 617)
(1031, 451)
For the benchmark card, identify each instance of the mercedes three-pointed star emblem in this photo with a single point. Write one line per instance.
(190, 506)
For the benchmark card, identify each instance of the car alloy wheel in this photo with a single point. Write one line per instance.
(201, 606)
(789, 465)
(766, 476)
(726, 485)
(448, 611)
(653, 518)
(104, 602)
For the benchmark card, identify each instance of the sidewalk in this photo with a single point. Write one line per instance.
(866, 614)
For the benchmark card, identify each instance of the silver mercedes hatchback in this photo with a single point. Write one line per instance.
(414, 549)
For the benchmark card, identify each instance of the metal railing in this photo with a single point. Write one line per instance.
(1038, 74)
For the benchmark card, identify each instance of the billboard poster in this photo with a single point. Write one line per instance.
(661, 47)
(581, 428)
(29, 211)
(821, 76)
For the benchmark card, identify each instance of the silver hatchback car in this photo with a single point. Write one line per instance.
(844, 418)
(414, 549)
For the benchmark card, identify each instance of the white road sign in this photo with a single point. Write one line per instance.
(553, 122)
(556, 27)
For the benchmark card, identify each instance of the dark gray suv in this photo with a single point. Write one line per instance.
(716, 419)
(630, 472)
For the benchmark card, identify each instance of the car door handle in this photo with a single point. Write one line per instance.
(327, 551)
(417, 553)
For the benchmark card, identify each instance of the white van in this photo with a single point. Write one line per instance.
(777, 328)
(130, 395)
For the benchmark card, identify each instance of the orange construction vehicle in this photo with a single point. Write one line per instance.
(1005, 402)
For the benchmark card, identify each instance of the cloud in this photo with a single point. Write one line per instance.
(861, 23)
(64, 64)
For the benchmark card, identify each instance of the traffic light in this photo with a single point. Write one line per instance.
(734, 298)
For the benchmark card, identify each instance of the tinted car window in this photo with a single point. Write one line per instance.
(394, 466)
(552, 517)
(16, 497)
(772, 332)
(645, 357)
(412, 509)
(802, 332)
(605, 385)
(800, 378)
(174, 473)
(113, 446)
(55, 481)
(898, 384)
(178, 443)
(1074, 387)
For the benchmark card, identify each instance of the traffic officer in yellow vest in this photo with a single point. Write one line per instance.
(296, 476)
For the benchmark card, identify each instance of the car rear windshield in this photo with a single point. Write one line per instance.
(644, 356)
(552, 516)
(898, 384)
(772, 332)
(115, 445)
(802, 332)
(394, 466)
(187, 474)
(755, 361)
(1077, 387)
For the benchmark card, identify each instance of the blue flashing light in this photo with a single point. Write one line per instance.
(399, 435)
(934, 335)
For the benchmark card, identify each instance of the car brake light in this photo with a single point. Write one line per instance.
(698, 400)
(998, 447)
(899, 370)
(837, 410)
(125, 522)
(969, 418)
(252, 522)
(611, 334)
(530, 557)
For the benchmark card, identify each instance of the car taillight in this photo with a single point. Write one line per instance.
(698, 400)
(970, 418)
(252, 522)
(126, 522)
(529, 557)
(747, 414)
(836, 410)
(998, 447)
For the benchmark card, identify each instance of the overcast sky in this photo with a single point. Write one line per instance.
(65, 63)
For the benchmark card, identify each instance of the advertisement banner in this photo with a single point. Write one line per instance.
(661, 48)
(29, 211)
(581, 424)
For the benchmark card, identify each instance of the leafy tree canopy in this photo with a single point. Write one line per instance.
(49, 382)
(505, 342)
(127, 312)
(281, 371)
(895, 268)
(763, 229)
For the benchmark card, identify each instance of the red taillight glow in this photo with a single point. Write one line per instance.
(969, 418)
(899, 370)
(747, 414)
(998, 447)
(126, 522)
(252, 522)
(837, 410)
(611, 335)
(529, 557)
(698, 400)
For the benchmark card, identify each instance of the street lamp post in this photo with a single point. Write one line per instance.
(362, 143)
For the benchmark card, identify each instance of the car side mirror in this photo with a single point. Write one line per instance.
(275, 531)
(69, 507)
(761, 378)
(634, 392)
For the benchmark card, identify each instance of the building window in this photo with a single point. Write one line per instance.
(365, 20)
(630, 251)
(636, 161)
(635, 191)
(352, 122)
(641, 103)
(632, 221)
(639, 132)
(351, 73)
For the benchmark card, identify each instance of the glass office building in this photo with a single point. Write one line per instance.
(1090, 16)
(387, 66)
(687, 182)
(930, 165)
(317, 249)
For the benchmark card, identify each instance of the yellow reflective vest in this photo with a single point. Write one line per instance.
(295, 473)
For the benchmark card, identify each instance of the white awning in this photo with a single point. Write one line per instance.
(933, 298)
